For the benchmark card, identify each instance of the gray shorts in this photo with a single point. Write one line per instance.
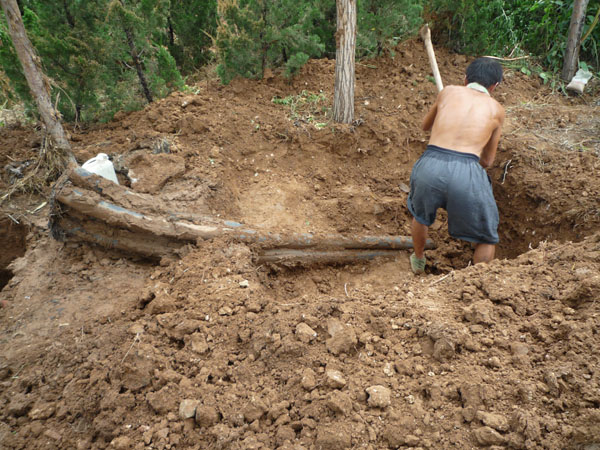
(456, 182)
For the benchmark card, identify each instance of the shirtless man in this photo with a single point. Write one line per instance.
(465, 124)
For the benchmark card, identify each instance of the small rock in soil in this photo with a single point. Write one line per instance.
(335, 379)
(206, 416)
(488, 436)
(284, 433)
(42, 411)
(187, 408)
(343, 338)
(388, 369)
(496, 421)
(519, 349)
(305, 333)
(278, 409)
(19, 405)
(254, 411)
(339, 402)
(225, 311)
(253, 306)
(586, 290)
(479, 313)
(494, 362)
(309, 379)
(164, 400)
(52, 434)
(379, 396)
(333, 437)
(443, 349)
(468, 414)
(198, 343)
(122, 443)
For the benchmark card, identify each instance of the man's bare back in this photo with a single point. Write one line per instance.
(466, 120)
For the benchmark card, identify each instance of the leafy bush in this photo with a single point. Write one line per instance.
(253, 35)
(381, 24)
(515, 27)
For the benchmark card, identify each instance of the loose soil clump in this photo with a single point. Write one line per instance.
(101, 349)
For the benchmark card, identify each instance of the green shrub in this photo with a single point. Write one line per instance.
(515, 27)
(381, 24)
(253, 35)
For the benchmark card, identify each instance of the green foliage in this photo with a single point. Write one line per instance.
(295, 63)
(85, 46)
(15, 86)
(255, 35)
(167, 70)
(84, 51)
(238, 48)
(308, 107)
(191, 27)
(514, 27)
(381, 24)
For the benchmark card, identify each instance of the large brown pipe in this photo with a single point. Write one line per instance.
(90, 204)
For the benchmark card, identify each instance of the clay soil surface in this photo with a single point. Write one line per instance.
(101, 349)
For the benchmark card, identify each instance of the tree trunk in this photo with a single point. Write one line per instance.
(345, 37)
(171, 32)
(68, 14)
(573, 41)
(35, 78)
(137, 63)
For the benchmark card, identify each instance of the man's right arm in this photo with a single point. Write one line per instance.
(430, 116)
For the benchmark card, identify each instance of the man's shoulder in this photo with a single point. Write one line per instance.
(498, 106)
(450, 92)
(452, 88)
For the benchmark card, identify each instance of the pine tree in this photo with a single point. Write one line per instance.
(255, 34)
(192, 26)
(383, 23)
(93, 52)
(68, 39)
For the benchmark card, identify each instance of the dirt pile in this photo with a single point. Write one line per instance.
(100, 349)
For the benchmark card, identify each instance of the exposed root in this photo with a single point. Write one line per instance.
(48, 167)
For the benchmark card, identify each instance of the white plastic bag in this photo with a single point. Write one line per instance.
(101, 165)
(579, 81)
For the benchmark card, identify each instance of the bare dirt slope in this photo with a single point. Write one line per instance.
(104, 350)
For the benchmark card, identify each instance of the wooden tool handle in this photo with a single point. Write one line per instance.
(425, 33)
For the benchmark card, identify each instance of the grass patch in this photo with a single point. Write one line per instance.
(307, 107)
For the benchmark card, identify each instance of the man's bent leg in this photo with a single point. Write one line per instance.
(484, 253)
(419, 237)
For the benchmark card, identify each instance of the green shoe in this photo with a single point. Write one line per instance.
(417, 264)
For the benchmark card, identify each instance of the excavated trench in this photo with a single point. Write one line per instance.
(13, 243)
(530, 215)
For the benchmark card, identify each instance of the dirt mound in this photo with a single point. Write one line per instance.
(212, 350)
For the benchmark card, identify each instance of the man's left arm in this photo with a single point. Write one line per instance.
(489, 151)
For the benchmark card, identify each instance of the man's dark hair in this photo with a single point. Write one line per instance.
(485, 71)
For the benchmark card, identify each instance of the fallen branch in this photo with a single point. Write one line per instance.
(507, 59)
